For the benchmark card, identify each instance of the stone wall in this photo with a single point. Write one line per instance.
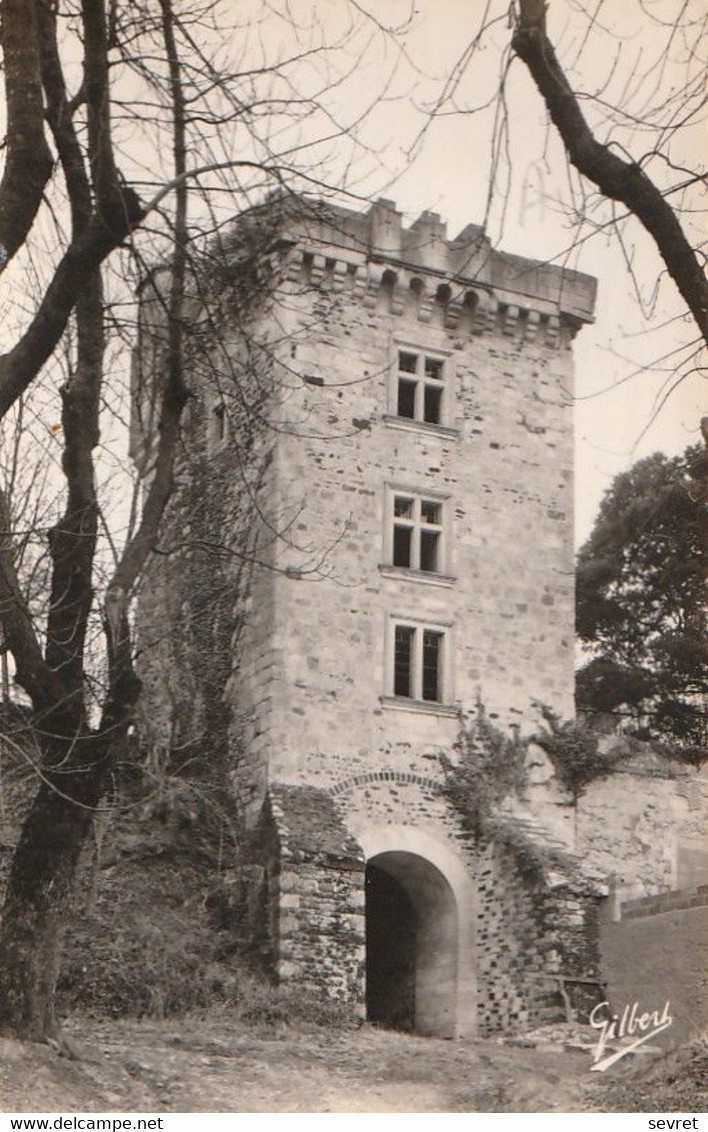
(203, 603)
(537, 943)
(531, 947)
(305, 903)
(504, 468)
(310, 693)
(266, 621)
(636, 825)
(642, 827)
(386, 797)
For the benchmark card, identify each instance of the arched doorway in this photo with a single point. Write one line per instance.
(411, 945)
(420, 905)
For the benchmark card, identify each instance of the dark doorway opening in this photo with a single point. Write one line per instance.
(391, 928)
(411, 945)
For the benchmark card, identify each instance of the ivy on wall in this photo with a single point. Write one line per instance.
(574, 750)
(490, 767)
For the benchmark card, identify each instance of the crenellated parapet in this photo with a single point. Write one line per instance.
(462, 307)
(461, 285)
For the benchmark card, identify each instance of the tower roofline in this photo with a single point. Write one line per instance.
(379, 235)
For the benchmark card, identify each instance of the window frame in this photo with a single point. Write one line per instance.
(419, 627)
(417, 377)
(218, 424)
(418, 496)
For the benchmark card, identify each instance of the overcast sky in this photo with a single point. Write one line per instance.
(620, 382)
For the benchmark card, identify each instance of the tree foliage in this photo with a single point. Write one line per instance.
(575, 751)
(641, 599)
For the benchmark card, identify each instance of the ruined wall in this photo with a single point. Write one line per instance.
(636, 825)
(310, 917)
(515, 968)
(642, 827)
(537, 944)
(528, 935)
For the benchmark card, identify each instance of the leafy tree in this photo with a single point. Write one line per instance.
(641, 599)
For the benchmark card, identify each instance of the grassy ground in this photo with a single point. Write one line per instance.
(219, 1064)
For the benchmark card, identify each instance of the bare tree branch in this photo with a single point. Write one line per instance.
(33, 674)
(617, 179)
(19, 367)
(123, 684)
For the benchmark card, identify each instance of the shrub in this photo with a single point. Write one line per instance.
(491, 765)
(151, 962)
(259, 1002)
(574, 750)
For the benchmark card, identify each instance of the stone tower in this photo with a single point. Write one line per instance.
(386, 446)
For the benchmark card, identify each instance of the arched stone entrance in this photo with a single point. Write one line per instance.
(420, 971)
(411, 945)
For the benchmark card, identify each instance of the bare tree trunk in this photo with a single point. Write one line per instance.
(36, 906)
(5, 670)
(28, 160)
(50, 662)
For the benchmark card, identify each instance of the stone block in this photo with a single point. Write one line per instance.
(288, 970)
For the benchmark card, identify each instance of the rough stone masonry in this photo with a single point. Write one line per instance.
(378, 459)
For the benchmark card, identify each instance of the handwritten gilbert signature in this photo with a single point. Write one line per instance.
(630, 1022)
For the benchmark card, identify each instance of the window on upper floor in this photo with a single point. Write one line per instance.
(417, 533)
(420, 387)
(218, 426)
(418, 662)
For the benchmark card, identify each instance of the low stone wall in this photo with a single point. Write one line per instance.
(304, 906)
(644, 827)
(658, 951)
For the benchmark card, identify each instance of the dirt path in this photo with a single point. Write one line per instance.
(217, 1066)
